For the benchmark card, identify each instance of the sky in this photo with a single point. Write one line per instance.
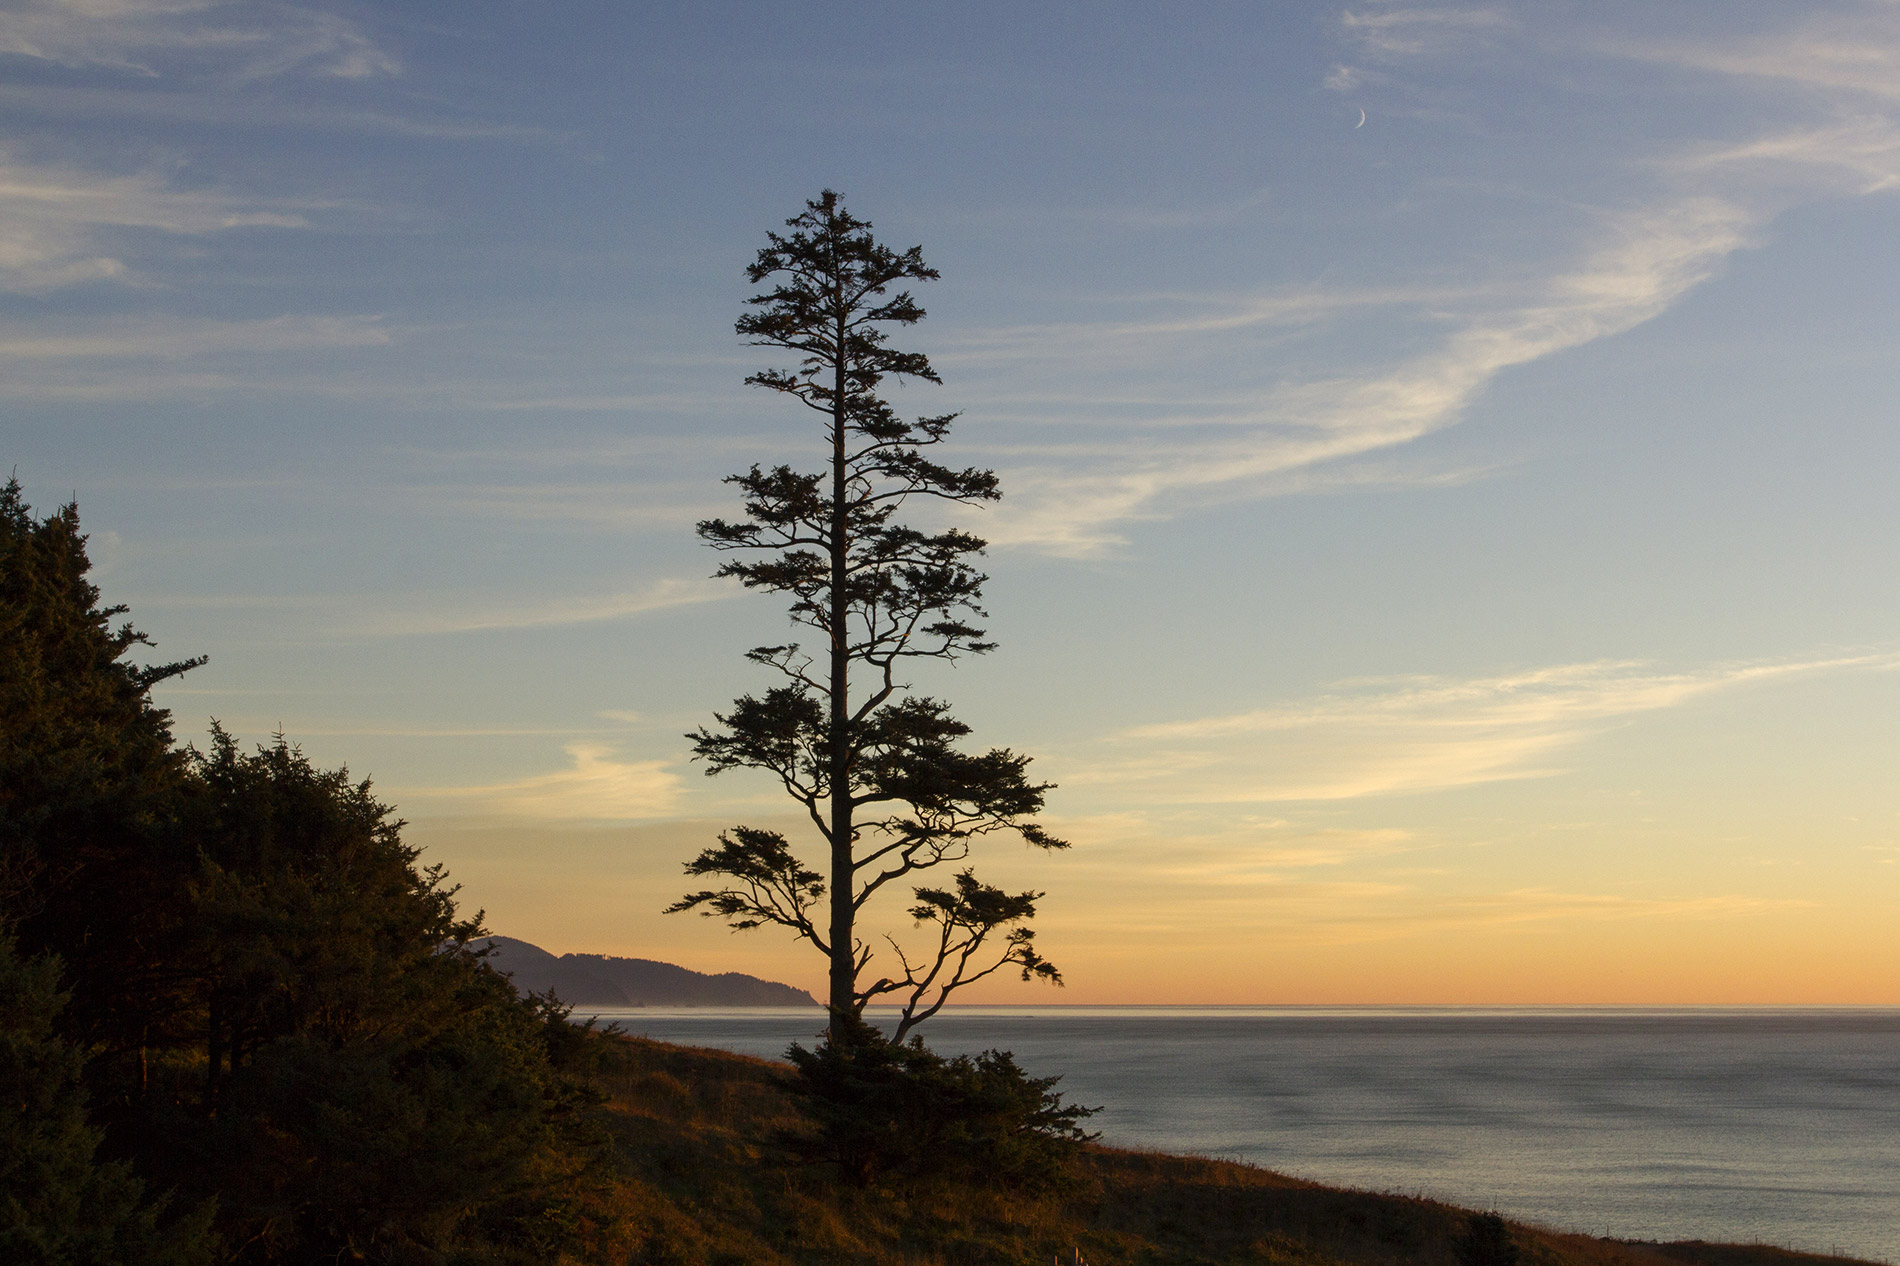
(1449, 543)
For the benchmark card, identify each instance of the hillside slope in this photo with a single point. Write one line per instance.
(698, 1179)
(601, 980)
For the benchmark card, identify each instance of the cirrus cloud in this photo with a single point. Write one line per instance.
(596, 786)
(155, 37)
(1411, 735)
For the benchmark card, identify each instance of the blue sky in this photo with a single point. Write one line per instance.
(1445, 557)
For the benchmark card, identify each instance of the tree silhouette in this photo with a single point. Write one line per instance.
(59, 1203)
(876, 768)
(276, 1012)
(367, 1087)
(92, 868)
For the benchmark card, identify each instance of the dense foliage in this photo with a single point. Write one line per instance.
(367, 1082)
(92, 865)
(285, 1020)
(60, 1205)
(895, 1112)
(1486, 1242)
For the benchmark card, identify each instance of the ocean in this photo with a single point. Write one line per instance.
(1778, 1126)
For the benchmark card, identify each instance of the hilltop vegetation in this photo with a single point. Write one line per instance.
(239, 1021)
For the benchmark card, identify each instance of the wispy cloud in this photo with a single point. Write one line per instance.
(343, 617)
(1672, 219)
(585, 609)
(1321, 914)
(1649, 259)
(1411, 735)
(620, 506)
(1857, 157)
(1423, 30)
(259, 110)
(1263, 854)
(61, 226)
(1282, 882)
(597, 786)
(1228, 846)
(244, 39)
(1190, 316)
(168, 338)
(1853, 52)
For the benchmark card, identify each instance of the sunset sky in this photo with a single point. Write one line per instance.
(1452, 557)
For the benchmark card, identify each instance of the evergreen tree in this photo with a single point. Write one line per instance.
(876, 769)
(899, 1112)
(369, 1088)
(91, 867)
(59, 1204)
(282, 1012)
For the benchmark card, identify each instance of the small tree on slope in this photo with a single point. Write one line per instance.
(875, 768)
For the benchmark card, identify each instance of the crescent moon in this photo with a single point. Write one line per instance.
(1362, 121)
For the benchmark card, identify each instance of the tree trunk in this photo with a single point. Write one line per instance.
(843, 1001)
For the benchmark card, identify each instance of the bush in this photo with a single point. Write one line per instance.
(1486, 1242)
(901, 1113)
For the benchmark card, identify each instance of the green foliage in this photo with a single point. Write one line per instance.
(896, 1113)
(59, 1205)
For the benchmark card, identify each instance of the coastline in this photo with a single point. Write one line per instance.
(1719, 1125)
(695, 1128)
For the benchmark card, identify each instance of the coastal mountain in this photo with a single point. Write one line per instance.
(601, 980)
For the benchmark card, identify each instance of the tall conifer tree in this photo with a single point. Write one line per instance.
(875, 767)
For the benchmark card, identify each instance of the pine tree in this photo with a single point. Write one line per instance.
(876, 768)
(91, 869)
(282, 1014)
(368, 1087)
(59, 1204)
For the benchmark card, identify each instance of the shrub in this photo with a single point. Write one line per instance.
(1486, 1242)
(901, 1113)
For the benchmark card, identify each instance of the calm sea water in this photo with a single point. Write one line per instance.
(1776, 1126)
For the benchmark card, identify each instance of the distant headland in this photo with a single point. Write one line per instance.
(601, 980)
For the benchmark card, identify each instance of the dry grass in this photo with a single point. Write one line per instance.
(699, 1180)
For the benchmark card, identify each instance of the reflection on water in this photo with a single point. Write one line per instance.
(1781, 1126)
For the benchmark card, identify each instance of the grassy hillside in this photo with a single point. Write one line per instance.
(697, 1179)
